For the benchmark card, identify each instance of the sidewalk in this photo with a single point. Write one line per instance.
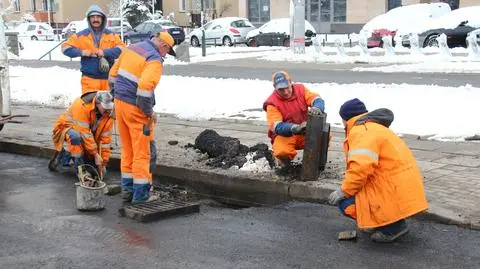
(451, 170)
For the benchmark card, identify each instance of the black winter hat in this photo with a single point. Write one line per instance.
(352, 108)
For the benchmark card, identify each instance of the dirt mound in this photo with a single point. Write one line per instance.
(225, 152)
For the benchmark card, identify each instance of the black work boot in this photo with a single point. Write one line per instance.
(127, 196)
(54, 162)
(390, 233)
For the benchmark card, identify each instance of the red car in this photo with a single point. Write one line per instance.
(376, 41)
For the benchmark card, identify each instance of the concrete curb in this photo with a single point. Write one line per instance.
(248, 191)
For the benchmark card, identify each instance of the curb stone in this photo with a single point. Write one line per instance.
(243, 190)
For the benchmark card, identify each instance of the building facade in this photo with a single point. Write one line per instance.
(325, 15)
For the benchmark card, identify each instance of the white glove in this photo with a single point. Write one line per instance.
(335, 197)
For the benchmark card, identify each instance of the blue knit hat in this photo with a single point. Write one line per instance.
(352, 108)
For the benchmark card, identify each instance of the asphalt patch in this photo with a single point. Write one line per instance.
(225, 151)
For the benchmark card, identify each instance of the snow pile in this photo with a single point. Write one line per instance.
(256, 166)
(426, 67)
(418, 109)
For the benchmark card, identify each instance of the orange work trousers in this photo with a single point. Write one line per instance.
(136, 143)
(93, 85)
(286, 147)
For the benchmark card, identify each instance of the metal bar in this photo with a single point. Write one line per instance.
(313, 143)
(48, 52)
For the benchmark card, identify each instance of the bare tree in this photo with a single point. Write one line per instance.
(224, 8)
(114, 9)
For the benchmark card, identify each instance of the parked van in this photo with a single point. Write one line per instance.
(401, 20)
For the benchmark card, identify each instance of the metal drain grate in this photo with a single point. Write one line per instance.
(159, 209)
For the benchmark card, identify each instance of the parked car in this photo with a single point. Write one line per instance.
(146, 29)
(36, 31)
(401, 20)
(226, 31)
(74, 27)
(455, 25)
(277, 33)
(114, 25)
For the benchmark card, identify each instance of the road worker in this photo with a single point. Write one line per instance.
(83, 133)
(287, 114)
(98, 48)
(383, 184)
(134, 77)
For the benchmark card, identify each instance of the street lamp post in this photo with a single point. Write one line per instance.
(121, 19)
(204, 49)
(4, 74)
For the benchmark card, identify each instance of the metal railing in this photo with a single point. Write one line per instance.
(49, 53)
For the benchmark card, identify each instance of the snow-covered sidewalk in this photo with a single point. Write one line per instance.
(442, 112)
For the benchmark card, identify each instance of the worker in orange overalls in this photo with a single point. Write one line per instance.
(98, 47)
(83, 133)
(383, 184)
(135, 76)
(287, 114)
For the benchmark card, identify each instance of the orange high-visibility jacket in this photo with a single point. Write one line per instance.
(81, 116)
(381, 172)
(274, 116)
(136, 74)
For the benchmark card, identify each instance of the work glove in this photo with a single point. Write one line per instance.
(335, 197)
(103, 65)
(315, 111)
(299, 128)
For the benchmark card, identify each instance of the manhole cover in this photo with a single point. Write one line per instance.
(158, 209)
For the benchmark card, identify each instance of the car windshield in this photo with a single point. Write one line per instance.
(167, 23)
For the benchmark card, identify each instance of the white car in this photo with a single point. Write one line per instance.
(226, 31)
(74, 27)
(277, 33)
(36, 31)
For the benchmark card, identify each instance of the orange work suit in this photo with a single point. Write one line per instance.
(295, 112)
(94, 131)
(382, 182)
(92, 78)
(135, 76)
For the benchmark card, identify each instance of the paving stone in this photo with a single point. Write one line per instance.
(424, 145)
(461, 148)
(461, 160)
(426, 155)
(428, 166)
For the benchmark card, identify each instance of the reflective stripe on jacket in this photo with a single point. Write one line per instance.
(110, 43)
(96, 132)
(381, 172)
(136, 74)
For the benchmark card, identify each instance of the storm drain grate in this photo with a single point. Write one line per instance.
(159, 209)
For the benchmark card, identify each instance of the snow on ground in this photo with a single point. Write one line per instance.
(35, 49)
(419, 109)
(426, 67)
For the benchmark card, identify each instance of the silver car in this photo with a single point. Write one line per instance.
(223, 31)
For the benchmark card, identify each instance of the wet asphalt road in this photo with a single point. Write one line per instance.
(313, 73)
(40, 228)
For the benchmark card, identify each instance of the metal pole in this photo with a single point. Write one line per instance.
(48, 10)
(121, 20)
(153, 9)
(4, 74)
(204, 48)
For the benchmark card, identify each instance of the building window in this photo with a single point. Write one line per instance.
(209, 4)
(339, 10)
(394, 3)
(16, 3)
(181, 5)
(259, 11)
(454, 4)
(33, 5)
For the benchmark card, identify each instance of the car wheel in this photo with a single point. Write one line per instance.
(431, 41)
(34, 38)
(227, 41)
(286, 43)
(252, 42)
(194, 41)
(128, 42)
